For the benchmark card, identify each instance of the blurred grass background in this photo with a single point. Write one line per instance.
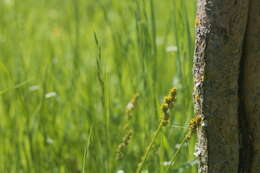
(64, 94)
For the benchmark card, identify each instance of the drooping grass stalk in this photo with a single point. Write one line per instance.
(14, 87)
(193, 125)
(86, 150)
(168, 104)
(104, 97)
(100, 71)
(174, 157)
(128, 132)
(148, 149)
(76, 46)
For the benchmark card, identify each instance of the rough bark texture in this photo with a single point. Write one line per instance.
(220, 45)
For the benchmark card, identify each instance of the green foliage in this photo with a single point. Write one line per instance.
(68, 70)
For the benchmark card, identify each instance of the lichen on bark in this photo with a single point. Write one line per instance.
(219, 44)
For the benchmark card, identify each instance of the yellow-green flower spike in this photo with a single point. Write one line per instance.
(173, 92)
(164, 107)
(168, 99)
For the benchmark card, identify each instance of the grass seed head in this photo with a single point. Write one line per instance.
(131, 105)
(168, 99)
(164, 107)
(193, 125)
(168, 104)
(121, 147)
(173, 92)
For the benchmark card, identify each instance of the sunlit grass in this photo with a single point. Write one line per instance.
(68, 70)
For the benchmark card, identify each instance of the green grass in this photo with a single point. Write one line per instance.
(69, 68)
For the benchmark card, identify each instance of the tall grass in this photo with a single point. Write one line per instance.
(69, 68)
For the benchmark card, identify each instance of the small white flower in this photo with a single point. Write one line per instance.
(34, 88)
(178, 146)
(50, 94)
(49, 140)
(171, 48)
(129, 106)
(166, 163)
(120, 171)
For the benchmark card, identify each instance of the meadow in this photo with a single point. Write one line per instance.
(68, 72)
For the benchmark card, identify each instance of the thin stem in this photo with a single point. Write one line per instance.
(148, 149)
(176, 153)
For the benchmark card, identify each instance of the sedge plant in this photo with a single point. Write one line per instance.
(166, 106)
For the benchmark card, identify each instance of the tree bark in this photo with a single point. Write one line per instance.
(227, 85)
(250, 90)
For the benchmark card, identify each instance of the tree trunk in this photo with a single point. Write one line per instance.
(227, 85)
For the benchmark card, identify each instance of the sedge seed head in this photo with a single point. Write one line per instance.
(131, 105)
(194, 123)
(121, 147)
(165, 118)
(167, 104)
(164, 122)
(173, 92)
(164, 107)
(197, 20)
(168, 99)
(134, 99)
